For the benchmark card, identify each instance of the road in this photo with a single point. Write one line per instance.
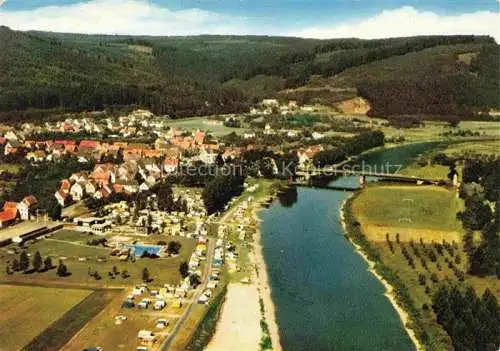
(210, 254)
(181, 321)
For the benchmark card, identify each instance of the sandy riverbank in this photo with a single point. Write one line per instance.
(389, 290)
(241, 312)
(264, 287)
(239, 324)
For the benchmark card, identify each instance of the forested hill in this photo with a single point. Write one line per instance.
(186, 76)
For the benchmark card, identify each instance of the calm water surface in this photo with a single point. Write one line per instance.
(324, 296)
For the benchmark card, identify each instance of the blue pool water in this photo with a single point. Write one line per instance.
(139, 249)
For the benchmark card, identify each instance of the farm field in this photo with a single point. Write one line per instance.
(201, 123)
(18, 324)
(412, 211)
(71, 247)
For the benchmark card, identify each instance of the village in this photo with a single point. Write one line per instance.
(109, 224)
(127, 167)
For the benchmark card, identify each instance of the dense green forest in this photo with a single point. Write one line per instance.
(199, 75)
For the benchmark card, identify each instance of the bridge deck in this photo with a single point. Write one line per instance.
(334, 171)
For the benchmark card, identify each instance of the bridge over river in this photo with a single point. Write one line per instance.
(307, 173)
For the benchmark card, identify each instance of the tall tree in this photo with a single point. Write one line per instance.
(37, 261)
(24, 261)
(145, 275)
(62, 270)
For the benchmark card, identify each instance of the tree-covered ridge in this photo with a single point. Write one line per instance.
(186, 76)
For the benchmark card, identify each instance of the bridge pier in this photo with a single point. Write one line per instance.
(362, 180)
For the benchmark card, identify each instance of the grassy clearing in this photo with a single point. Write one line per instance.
(71, 236)
(26, 311)
(79, 257)
(61, 331)
(397, 262)
(201, 123)
(414, 212)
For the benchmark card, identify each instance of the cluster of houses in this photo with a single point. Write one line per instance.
(270, 106)
(133, 125)
(23, 210)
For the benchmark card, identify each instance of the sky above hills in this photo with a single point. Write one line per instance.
(304, 18)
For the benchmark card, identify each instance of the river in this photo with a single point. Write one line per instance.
(325, 298)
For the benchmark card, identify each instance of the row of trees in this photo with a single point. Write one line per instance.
(481, 192)
(352, 146)
(38, 264)
(220, 190)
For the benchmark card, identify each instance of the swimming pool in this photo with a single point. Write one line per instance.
(139, 249)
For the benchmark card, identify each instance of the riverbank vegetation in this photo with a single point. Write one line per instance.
(206, 329)
(349, 147)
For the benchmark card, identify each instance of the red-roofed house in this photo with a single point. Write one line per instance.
(9, 214)
(65, 185)
(199, 136)
(64, 142)
(171, 164)
(104, 173)
(152, 153)
(89, 144)
(62, 197)
(6, 218)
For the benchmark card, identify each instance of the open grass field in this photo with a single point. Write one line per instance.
(26, 311)
(201, 123)
(432, 130)
(415, 212)
(429, 171)
(61, 331)
(79, 258)
(490, 147)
